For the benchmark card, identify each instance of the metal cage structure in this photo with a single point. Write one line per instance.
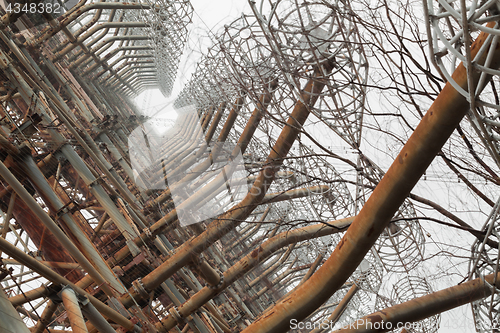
(269, 204)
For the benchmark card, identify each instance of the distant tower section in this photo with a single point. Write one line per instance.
(167, 23)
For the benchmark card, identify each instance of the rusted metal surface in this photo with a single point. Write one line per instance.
(78, 215)
(59, 280)
(426, 141)
(426, 306)
(251, 260)
(72, 306)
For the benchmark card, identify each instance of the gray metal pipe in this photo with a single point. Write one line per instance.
(91, 313)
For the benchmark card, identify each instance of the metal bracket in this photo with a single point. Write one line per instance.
(218, 285)
(174, 312)
(139, 288)
(147, 232)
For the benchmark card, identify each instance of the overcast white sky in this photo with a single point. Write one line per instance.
(208, 18)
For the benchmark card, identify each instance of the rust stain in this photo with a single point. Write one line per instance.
(341, 243)
(256, 252)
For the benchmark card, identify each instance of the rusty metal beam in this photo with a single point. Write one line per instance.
(426, 306)
(229, 220)
(251, 260)
(430, 135)
(72, 306)
(55, 278)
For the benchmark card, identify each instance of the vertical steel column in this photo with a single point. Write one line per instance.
(73, 311)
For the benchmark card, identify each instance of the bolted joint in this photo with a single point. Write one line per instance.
(147, 232)
(174, 312)
(139, 288)
(218, 285)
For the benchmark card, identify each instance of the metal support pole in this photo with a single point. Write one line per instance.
(73, 311)
(91, 313)
(46, 317)
(9, 318)
(339, 310)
